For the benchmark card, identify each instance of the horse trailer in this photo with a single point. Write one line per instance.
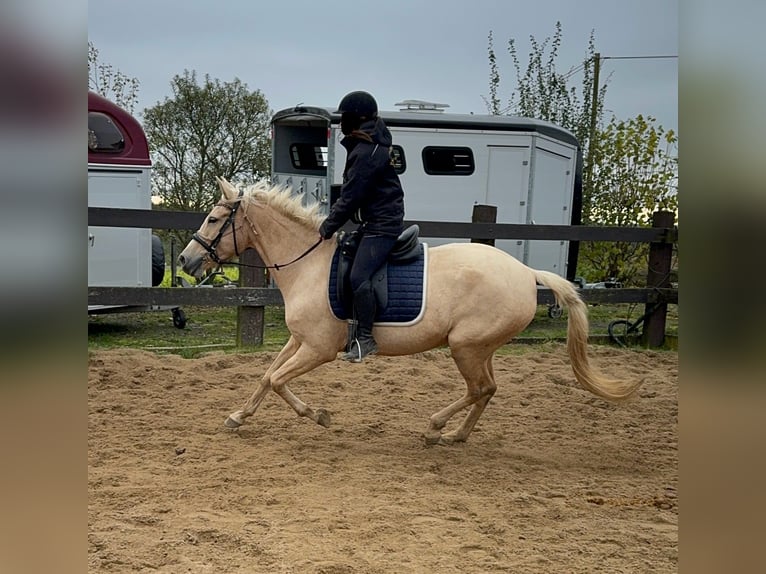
(119, 172)
(530, 170)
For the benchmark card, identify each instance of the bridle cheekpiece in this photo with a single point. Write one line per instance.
(210, 248)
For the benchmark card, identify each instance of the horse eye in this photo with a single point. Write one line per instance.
(212, 219)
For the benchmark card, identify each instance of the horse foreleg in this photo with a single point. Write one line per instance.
(237, 418)
(480, 387)
(303, 361)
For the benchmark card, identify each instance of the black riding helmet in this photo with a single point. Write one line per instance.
(360, 104)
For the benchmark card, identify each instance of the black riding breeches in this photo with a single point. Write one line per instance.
(372, 252)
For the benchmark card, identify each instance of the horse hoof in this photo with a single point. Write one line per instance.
(432, 438)
(232, 423)
(323, 418)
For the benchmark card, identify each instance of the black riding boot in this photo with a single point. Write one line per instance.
(364, 309)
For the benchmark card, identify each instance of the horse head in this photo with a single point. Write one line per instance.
(216, 240)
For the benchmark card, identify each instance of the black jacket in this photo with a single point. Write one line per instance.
(371, 192)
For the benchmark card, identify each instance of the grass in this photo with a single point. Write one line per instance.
(207, 328)
(599, 317)
(215, 328)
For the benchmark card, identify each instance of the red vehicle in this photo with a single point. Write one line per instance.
(119, 174)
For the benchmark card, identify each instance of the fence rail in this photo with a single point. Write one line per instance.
(161, 219)
(267, 296)
(253, 295)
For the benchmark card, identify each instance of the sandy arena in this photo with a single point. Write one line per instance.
(553, 479)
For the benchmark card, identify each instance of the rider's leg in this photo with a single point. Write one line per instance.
(364, 313)
(372, 253)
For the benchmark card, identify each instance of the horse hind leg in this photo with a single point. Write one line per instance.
(487, 391)
(480, 387)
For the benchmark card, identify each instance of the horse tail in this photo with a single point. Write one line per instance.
(577, 340)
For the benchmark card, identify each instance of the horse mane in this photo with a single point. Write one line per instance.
(280, 198)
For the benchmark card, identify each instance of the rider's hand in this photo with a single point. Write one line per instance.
(323, 231)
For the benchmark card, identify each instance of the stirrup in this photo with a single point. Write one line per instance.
(358, 350)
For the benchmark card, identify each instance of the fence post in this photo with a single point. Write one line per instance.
(658, 275)
(250, 320)
(484, 214)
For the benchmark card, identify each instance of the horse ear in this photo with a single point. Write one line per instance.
(228, 191)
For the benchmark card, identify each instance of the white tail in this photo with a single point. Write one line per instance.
(577, 340)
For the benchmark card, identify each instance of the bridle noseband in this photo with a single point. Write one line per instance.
(211, 247)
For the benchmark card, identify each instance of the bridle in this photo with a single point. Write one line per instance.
(210, 248)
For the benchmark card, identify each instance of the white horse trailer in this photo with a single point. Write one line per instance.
(119, 171)
(531, 170)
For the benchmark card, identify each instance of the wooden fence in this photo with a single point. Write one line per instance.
(253, 294)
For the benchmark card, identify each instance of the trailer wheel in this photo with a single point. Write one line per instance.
(179, 318)
(158, 261)
(555, 311)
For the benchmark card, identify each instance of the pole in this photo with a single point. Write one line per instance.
(593, 114)
(250, 320)
(484, 214)
(660, 263)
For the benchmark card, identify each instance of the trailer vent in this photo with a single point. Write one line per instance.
(421, 106)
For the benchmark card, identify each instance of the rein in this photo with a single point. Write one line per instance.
(276, 265)
(211, 247)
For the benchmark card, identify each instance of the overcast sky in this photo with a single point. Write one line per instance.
(298, 51)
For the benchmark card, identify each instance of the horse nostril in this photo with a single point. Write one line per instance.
(182, 260)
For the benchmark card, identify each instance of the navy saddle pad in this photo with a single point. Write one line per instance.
(403, 291)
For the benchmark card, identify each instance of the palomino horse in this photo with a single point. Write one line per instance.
(477, 299)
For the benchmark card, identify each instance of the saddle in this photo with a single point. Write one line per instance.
(407, 250)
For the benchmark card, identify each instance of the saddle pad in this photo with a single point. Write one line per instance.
(406, 292)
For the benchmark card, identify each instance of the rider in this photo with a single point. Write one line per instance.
(371, 196)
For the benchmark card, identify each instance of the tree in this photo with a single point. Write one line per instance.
(627, 173)
(543, 93)
(110, 83)
(635, 174)
(205, 130)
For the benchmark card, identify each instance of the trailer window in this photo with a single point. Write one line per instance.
(308, 156)
(103, 134)
(397, 159)
(448, 160)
